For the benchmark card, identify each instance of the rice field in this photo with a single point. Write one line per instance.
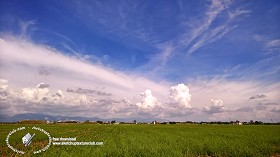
(147, 140)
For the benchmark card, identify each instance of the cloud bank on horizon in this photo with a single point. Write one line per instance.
(195, 60)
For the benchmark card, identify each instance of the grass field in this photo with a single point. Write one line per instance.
(149, 140)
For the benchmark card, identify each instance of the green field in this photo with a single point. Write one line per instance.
(150, 140)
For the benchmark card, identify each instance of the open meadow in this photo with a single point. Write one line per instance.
(147, 140)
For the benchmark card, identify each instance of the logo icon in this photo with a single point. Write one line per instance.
(27, 139)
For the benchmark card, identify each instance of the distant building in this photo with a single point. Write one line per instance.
(49, 122)
(238, 122)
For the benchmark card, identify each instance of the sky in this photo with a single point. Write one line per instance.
(195, 60)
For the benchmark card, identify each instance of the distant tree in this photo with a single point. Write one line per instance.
(87, 121)
(99, 122)
(258, 122)
(135, 122)
(32, 122)
(113, 122)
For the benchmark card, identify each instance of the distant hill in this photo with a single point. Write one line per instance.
(39, 116)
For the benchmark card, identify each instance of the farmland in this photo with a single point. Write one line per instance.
(149, 140)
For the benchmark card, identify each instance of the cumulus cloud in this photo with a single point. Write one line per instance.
(180, 94)
(148, 101)
(3, 84)
(38, 94)
(216, 107)
(24, 64)
(34, 94)
(59, 99)
(3, 89)
(59, 93)
(42, 100)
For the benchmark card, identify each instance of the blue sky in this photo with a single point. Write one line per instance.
(234, 44)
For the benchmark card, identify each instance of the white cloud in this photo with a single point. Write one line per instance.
(34, 94)
(234, 102)
(25, 26)
(237, 13)
(204, 32)
(22, 62)
(42, 85)
(217, 102)
(65, 71)
(149, 101)
(270, 45)
(216, 107)
(3, 84)
(3, 89)
(180, 95)
(273, 45)
(210, 36)
(216, 7)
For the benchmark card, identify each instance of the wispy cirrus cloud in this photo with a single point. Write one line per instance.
(126, 23)
(269, 68)
(211, 13)
(238, 12)
(268, 44)
(206, 29)
(219, 18)
(210, 36)
(25, 26)
(273, 45)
